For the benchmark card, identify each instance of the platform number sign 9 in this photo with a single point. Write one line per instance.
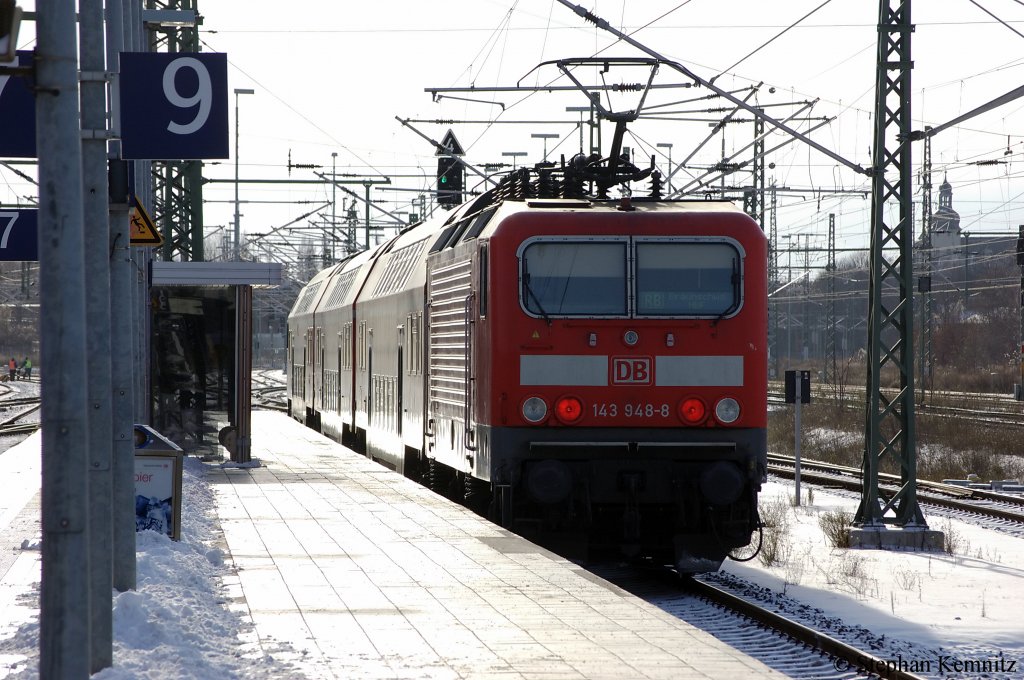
(174, 106)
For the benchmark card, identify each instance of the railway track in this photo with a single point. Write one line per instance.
(796, 648)
(268, 389)
(1001, 507)
(989, 409)
(24, 406)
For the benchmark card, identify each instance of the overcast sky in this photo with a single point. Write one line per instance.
(330, 77)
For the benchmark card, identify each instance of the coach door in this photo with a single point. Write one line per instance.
(318, 372)
(308, 358)
(371, 384)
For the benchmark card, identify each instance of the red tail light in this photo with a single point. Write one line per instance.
(568, 409)
(692, 410)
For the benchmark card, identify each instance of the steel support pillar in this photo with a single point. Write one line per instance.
(773, 284)
(889, 427)
(831, 363)
(753, 198)
(925, 374)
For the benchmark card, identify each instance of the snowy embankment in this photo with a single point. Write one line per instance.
(179, 624)
(940, 611)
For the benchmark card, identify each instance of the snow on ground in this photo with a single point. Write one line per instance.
(963, 606)
(177, 625)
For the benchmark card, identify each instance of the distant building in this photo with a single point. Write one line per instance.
(959, 257)
(945, 225)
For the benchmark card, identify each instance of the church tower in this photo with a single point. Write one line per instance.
(945, 223)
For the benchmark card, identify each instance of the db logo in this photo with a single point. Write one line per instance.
(631, 371)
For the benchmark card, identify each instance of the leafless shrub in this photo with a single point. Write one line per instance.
(907, 579)
(953, 541)
(848, 572)
(775, 545)
(836, 526)
(774, 512)
(776, 548)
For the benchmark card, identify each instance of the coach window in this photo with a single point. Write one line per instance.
(695, 278)
(346, 347)
(574, 278)
(416, 338)
(361, 340)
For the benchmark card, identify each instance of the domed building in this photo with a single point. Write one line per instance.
(945, 224)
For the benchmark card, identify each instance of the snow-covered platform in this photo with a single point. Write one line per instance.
(349, 570)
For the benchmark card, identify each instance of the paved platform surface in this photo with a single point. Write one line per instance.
(365, 574)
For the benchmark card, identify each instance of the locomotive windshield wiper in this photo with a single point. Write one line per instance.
(529, 290)
(735, 280)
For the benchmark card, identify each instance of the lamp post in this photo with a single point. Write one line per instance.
(545, 136)
(334, 198)
(667, 145)
(514, 155)
(238, 239)
(789, 302)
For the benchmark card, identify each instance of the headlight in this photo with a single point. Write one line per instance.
(727, 410)
(535, 410)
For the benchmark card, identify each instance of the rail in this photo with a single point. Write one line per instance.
(844, 654)
(955, 498)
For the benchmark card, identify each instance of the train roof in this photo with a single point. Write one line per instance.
(402, 257)
(311, 293)
(472, 222)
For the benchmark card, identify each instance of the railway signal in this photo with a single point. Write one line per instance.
(449, 181)
(798, 391)
(449, 171)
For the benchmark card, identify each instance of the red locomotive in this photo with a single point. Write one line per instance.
(576, 367)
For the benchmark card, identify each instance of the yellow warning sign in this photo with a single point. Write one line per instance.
(144, 232)
(536, 335)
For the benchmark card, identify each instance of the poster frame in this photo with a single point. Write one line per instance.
(176, 458)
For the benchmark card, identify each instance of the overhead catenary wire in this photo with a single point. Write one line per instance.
(492, 50)
(770, 40)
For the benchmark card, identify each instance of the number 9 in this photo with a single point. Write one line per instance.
(203, 96)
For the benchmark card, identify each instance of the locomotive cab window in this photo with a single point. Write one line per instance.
(634, 277)
(574, 278)
(687, 279)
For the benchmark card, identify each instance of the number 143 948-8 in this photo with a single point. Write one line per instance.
(631, 410)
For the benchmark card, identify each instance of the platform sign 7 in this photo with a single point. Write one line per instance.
(174, 106)
(19, 236)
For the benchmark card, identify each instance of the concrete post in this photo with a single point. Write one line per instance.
(122, 369)
(97, 309)
(64, 590)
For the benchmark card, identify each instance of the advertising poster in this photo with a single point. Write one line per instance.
(157, 493)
